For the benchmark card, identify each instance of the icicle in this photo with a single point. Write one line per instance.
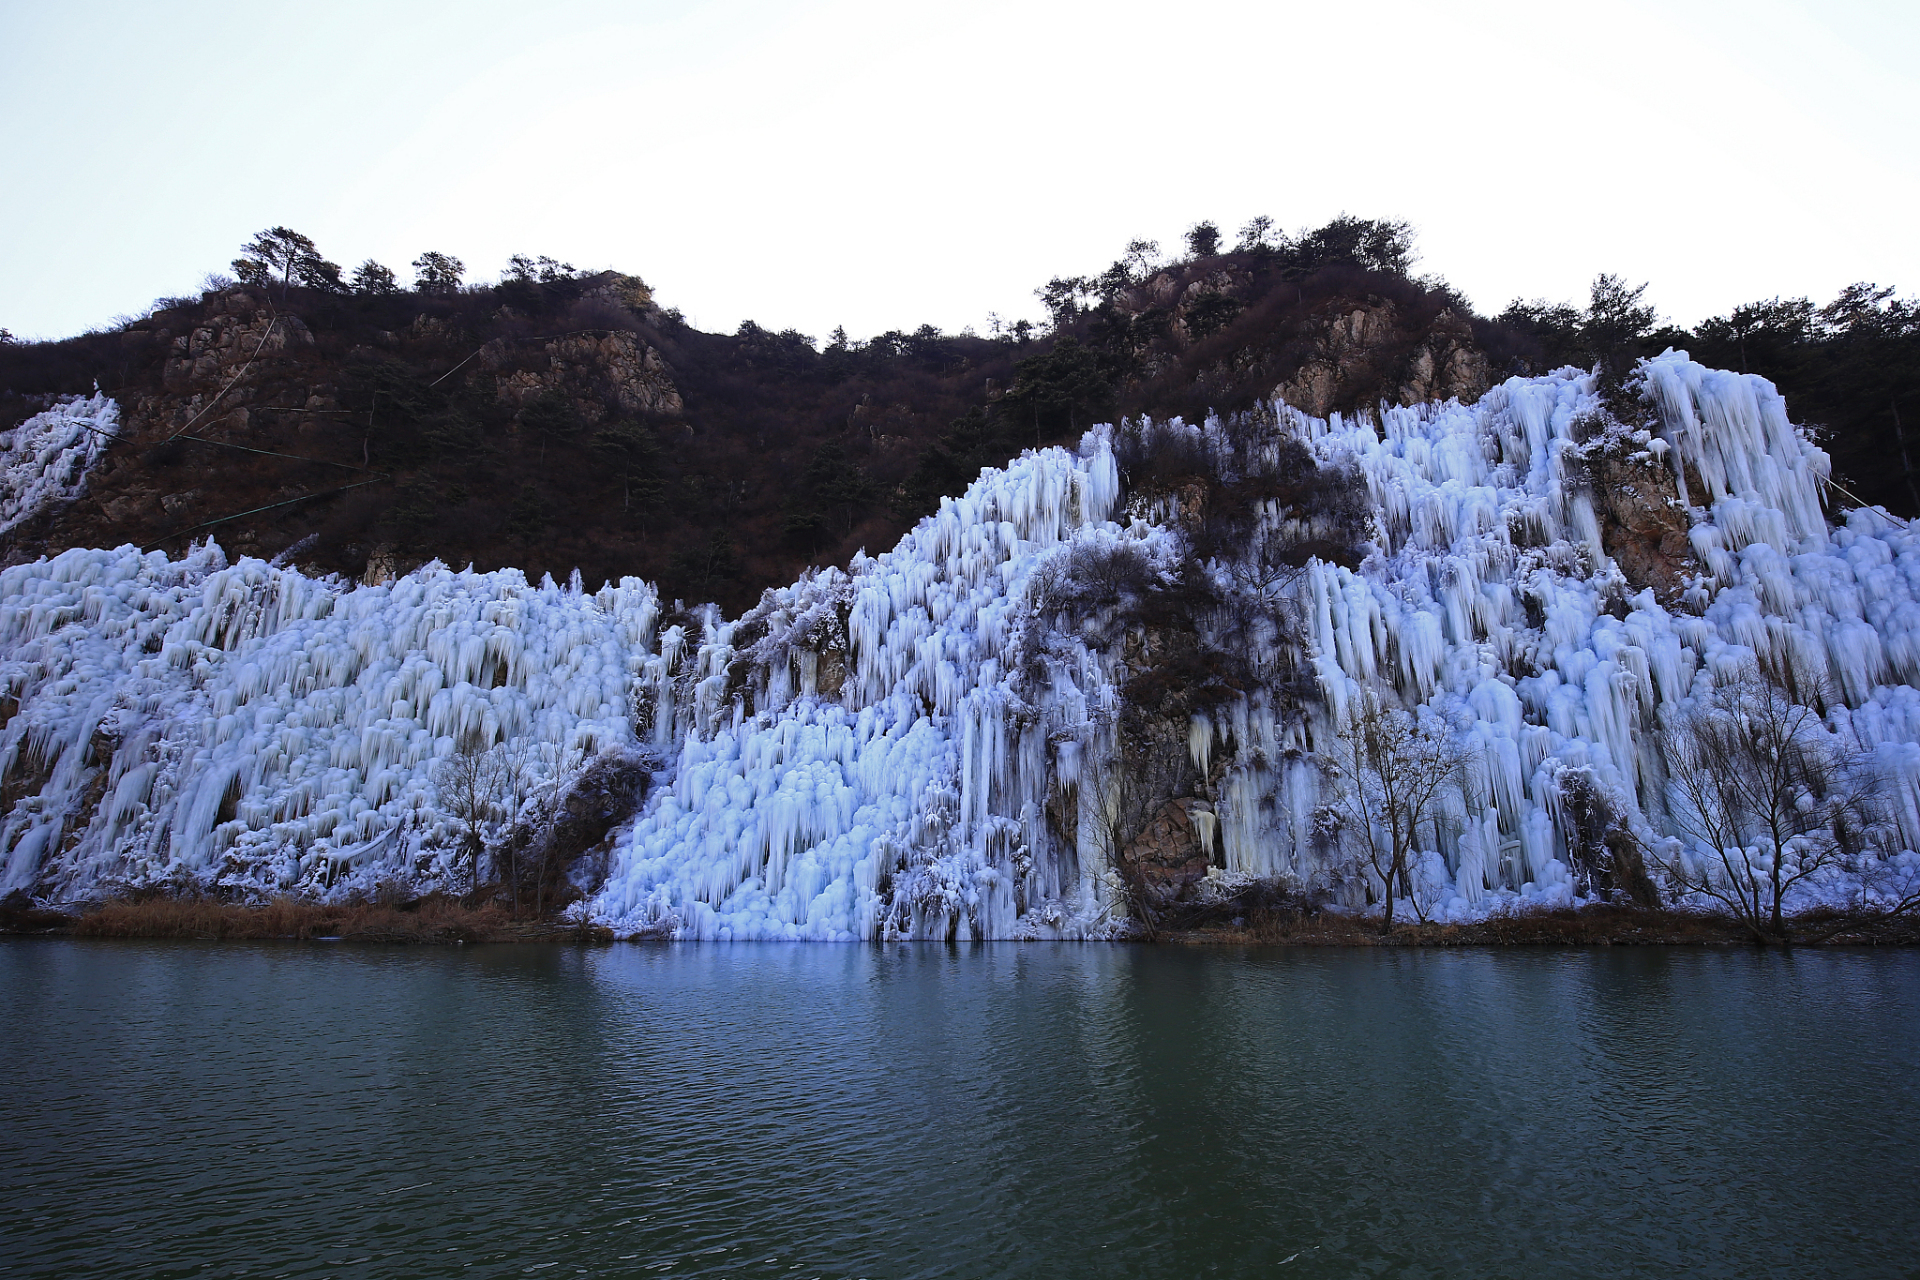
(1200, 741)
(253, 718)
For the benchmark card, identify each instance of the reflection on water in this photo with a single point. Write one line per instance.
(999, 1110)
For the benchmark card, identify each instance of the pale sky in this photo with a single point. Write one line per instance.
(884, 165)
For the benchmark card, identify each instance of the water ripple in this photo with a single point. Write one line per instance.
(920, 1111)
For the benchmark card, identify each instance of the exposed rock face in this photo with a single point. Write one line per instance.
(830, 676)
(240, 419)
(541, 851)
(622, 290)
(1643, 522)
(1175, 850)
(1447, 365)
(382, 566)
(240, 328)
(1188, 303)
(1168, 776)
(1366, 345)
(129, 504)
(244, 342)
(592, 370)
(222, 365)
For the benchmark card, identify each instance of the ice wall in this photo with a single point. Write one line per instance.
(1490, 600)
(193, 722)
(908, 799)
(44, 461)
(903, 795)
(909, 747)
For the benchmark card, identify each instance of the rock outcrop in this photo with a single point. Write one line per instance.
(598, 373)
(1367, 346)
(239, 328)
(1175, 850)
(240, 417)
(1643, 521)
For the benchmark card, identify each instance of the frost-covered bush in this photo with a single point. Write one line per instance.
(1093, 576)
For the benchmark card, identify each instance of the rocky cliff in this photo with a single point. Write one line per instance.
(1101, 688)
(572, 424)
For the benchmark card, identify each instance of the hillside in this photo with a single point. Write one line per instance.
(1498, 641)
(1172, 673)
(561, 420)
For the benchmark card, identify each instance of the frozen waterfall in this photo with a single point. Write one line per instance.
(44, 461)
(906, 748)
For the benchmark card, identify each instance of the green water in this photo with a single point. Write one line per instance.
(1001, 1110)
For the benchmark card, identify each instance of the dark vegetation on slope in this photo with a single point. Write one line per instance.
(558, 419)
(1849, 369)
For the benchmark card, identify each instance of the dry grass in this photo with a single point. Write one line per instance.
(1600, 926)
(1596, 925)
(433, 919)
(438, 918)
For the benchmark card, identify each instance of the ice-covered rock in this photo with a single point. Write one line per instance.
(44, 461)
(194, 722)
(920, 745)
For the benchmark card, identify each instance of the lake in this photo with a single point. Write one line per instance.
(993, 1110)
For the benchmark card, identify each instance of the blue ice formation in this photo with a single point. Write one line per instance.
(912, 747)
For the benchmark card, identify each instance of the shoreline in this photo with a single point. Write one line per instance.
(439, 920)
(1576, 927)
(434, 920)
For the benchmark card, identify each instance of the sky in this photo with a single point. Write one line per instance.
(884, 165)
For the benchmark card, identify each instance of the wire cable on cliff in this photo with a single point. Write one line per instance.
(236, 377)
(206, 524)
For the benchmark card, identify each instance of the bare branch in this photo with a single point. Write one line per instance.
(1764, 791)
(1395, 769)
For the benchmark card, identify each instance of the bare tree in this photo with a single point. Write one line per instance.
(1765, 791)
(472, 784)
(1268, 570)
(1393, 770)
(567, 768)
(1099, 806)
(519, 780)
(1895, 886)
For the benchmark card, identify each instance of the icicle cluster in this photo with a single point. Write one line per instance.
(193, 722)
(44, 461)
(914, 746)
(1491, 601)
(903, 795)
